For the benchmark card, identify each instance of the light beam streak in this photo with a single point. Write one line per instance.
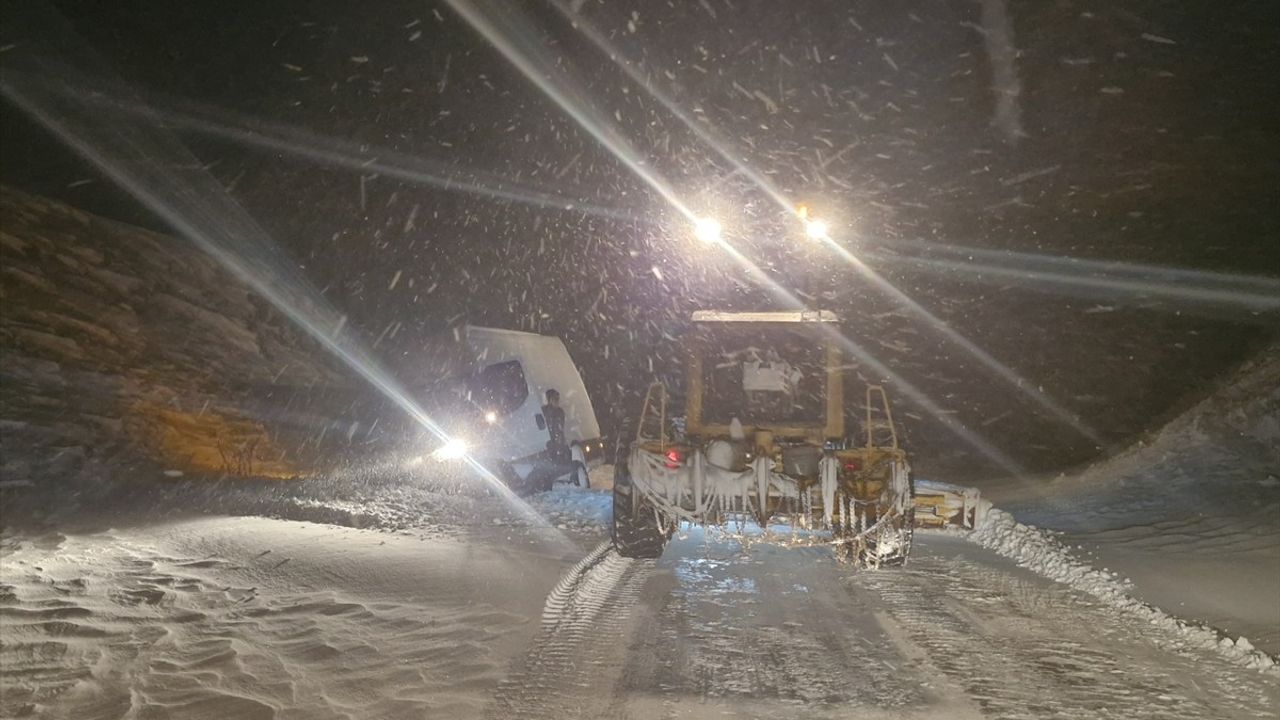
(913, 393)
(350, 156)
(940, 326)
(163, 175)
(508, 39)
(700, 129)
(501, 29)
(1251, 292)
(1152, 273)
(1099, 278)
(715, 143)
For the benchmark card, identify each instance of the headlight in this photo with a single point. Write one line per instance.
(707, 230)
(453, 449)
(491, 417)
(813, 227)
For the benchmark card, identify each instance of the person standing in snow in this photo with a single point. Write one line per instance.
(557, 448)
(558, 459)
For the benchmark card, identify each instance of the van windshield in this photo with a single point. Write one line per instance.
(500, 388)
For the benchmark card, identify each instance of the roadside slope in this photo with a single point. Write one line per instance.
(1190, 516)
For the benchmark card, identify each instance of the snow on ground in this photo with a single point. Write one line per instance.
(720, 628)
(584, 512)
(429, 500)
(1041, 552)
(259, 618)
(255, 617)
(392, 594)
(1191, 517)
(1020, 646)
(375, 594)
(432, 503)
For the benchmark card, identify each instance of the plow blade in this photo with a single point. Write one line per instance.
(939, 504)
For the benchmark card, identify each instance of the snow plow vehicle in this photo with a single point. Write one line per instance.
(762, 440)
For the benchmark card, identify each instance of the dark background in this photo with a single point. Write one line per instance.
(877, 114)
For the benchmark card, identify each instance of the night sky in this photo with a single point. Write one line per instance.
(1150, 135)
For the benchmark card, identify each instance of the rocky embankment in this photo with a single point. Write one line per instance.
(130, 356)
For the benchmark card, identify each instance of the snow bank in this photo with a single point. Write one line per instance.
(1039, 551)
(1188, 515)
(1229, 440)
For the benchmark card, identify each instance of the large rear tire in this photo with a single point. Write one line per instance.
(636, 533)
(899, 537)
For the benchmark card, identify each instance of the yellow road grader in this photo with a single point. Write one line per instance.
(762, 440)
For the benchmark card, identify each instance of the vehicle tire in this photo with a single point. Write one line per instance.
(580, 476)
(902, 536)
(910, 534)
(635, 534)
(909, 520)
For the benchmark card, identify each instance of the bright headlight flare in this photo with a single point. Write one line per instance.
(815, 229)
(453, 449)
(491, 417)
(707, 230)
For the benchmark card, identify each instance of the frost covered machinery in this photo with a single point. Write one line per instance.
(762, 439)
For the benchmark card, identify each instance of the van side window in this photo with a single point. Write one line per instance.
(500, 387)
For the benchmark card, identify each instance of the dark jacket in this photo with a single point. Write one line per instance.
(557, 447)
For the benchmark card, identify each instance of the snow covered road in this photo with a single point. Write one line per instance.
(709, 631)
(265, 618)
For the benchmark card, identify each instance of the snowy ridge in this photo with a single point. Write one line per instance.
(1241, 418)
(1039, 552)
(1188, 515)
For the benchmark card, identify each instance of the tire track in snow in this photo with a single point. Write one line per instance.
(560, 600)
(773, 633)
(1022, 650)
(581, 648)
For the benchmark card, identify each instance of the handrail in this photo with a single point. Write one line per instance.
(662, 413)
(888, 414)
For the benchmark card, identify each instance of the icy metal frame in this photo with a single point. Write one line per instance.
(863, 496)
(833, 426)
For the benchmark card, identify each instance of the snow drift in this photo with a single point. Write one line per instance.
(1185, 520)
(1039, 551)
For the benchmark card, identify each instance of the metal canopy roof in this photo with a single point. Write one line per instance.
(800, 316)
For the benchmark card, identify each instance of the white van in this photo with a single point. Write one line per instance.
(499, 381)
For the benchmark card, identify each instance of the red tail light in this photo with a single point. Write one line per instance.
(851, 466)
(673, 459)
